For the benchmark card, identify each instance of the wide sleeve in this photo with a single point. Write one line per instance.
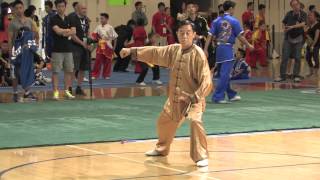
(161, 56)
(204, 79)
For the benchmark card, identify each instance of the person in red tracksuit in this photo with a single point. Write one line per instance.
(248, 35)
(105, 35)
(170, 25)
(139, 38)
(260, 38)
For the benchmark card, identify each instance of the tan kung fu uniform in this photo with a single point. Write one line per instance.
(190, 73)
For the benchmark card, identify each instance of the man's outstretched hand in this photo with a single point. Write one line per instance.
(125, 52)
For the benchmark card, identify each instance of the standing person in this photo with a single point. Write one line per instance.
(31, 12)
(47, 41)
(75, 8)
(260, 16)
(260, 38)
(159, 21)
(313, 42)
(106, 35)
(139, 14)
(125, 35)
(170, 27)
(79, 45)
(199, 22)
(249, 55)
(248, 16)
(62, 58)
(225, 30)
(15, 25)
(190, 82)
(293, 24)
(4, 22)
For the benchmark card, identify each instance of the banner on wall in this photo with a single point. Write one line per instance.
(119, 2)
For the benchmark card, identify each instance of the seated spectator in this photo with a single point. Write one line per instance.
(241, 69)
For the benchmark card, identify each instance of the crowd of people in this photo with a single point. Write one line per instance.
(68, 44)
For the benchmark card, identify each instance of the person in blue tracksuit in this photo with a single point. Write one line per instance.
(241, 70)
(22, 60)
(225, 30)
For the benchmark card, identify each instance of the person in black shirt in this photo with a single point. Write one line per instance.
(201, 25)
(79, 45)
(125, 35)
(5, 79)
(313, 42)
(61, 51)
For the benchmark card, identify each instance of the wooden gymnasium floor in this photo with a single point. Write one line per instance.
(279, 155)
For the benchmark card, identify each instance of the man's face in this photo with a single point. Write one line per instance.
(192, 9)
(251, 7)
(186, 35)
(19, 9)
(61, 7)
(139, 7)
(295, 5)
(82, 10)
(47, 8)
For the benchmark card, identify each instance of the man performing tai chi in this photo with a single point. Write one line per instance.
(190, 82)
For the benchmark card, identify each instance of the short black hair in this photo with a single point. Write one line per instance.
(131, 22)
(48, 3)
(228, 4)
(138, 3)
(106, 15)
(261, 6)
(186, 23)
(56, 2)
(161, 4)
(190, 2)
(243, 52)
(17, 2)
(75, 4)
(140, 22)
(312, 7)
(32, 8)
(249, 4)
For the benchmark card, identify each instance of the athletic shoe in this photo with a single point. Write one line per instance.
(297, 80)
(236, 98)
(158, 82)
(222, 102)
(85, 79)
(203, 163)
(152, 153)
(56, 95)
(80, 92)
(68, 95)
(141, 84)
(280, 80)
(30, 96)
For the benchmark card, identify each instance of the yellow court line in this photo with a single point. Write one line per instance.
(140, 162)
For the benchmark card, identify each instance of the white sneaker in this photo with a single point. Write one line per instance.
(158, 82)
(152, 153)
(203, 163)
(236, 98)
(142, 84)
(222, 102)
(107, 78)
(85, 79)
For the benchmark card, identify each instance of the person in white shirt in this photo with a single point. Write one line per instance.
(107, 39)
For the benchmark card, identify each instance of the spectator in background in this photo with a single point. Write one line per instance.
(124, 35)
(170, 26)
(293, 23)
(313, 42)
(260, 16)
(15, 25)
(4, 22)
(31, 13)
(249, 54)
(75, 8)
(159, 25)
(241, 69)
(220, 10)
(62, 58)
(4, 65)
(248, 16)
(47, 41)
(106, 36)
(183, 15)
(139, 14)
(260, 38)
(200, 23)
(80, 48)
